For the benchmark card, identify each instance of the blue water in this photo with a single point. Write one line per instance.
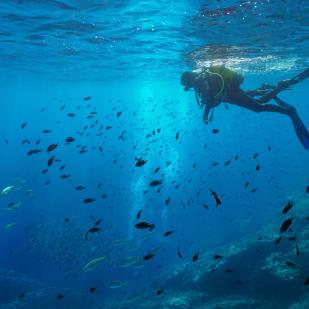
(127, 56)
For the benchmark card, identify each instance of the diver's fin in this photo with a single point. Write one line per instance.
(301, 131)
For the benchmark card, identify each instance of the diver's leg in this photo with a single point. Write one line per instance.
(240, 98)
(283, 85)
(300, 129)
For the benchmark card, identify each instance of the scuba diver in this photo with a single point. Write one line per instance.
(218, 84)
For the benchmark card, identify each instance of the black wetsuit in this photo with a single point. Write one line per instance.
(207, 87)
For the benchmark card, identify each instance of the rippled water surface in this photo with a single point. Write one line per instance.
(72, 39)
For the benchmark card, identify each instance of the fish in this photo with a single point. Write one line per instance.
(291, 264)
(70, 139)
(92, 289)
(140, 162)
(46, 131)
(216, 197)
(278, 240)
(88, 98)
(79, 188)
(297, 249)
(7, 190)
(9, 226)
(218, 257)
(306, 281)
(286, 224)
(6, 141)
(195, 257)
(14, 206)
(168, 233)
(167, 201)
(179, 253)
(33, 151)
(155, 183)
(177, 135)
(157, 170)
(50, 161)
(23, 125)
(89, 200)
(97, 222)
(145, 225)
(51, 147)
(115, 284)
(149, 256)
(287, 208)
(258, 167)
(64, 176)
(92, 230)
(159, 292)
(60, 296)
(93, 264)
(247, 184)
(205, 206)
(138, 215)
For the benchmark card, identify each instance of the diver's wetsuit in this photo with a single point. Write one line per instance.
(207, 88)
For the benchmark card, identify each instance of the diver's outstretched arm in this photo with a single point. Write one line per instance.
(283, 85)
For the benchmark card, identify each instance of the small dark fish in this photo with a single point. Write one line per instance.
(227, 162)
(290, 264)
(87, 98)
(177, 135)
(168, 233)
(216, 197)
(6, 141)
(287, 208)
(297, 249)
(46, 131)
(22, 295)
(44, 171)
(23, 125)
(228, 270)
(157, 170)
(61, 167)
(119, 114)
(306, 281)
(247, 184)
(33, 151)
(278, 240)
(92, 289)
(167, 201)
(79, 188)
(70, 139)
(51, 147)
(139, 214)
(148, 256)
(258, 167)
(255, 155)
(65, 176)
(155, 183)
(88, 200)
(218, 257)
(60, 296)
(145, 225)
(50, 161)
(140, 162)
(67, 220)
(205, 206)
(159, 292)
(286, 224)
(97, 222)
(195, 257)
(215, 131)
(92, 230)
(307, 189)
(38, 142)
(179, 252)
